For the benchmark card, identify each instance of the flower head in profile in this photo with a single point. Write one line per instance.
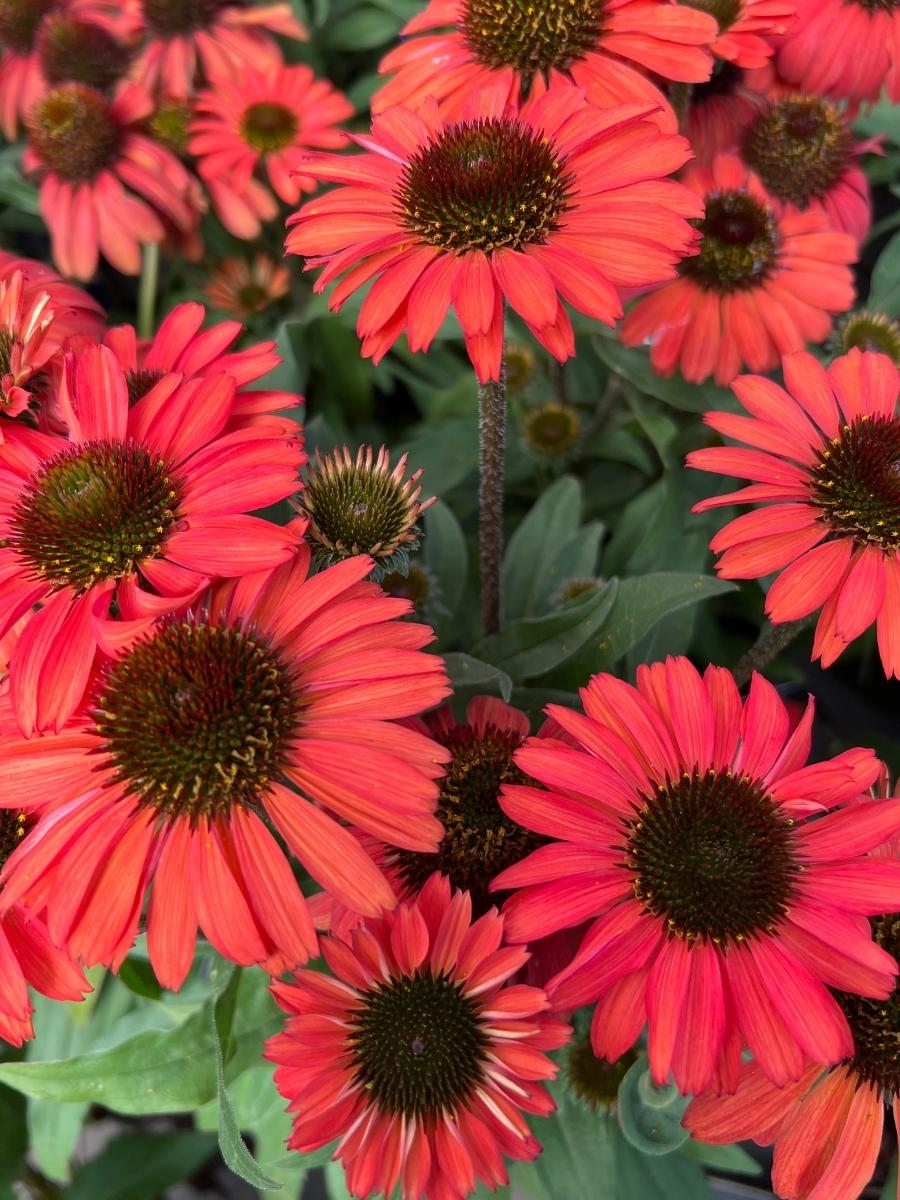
(824, 460)
(873, 331)
(187, 42)
(360, 505)
(25, 342)
(244, 287)
(76, 315)
(724, 878)
(30, 959)
(748, 29)
(416, 1052)
(764, 282)
(802, 150)
(270, 705)
(522, 47)
(106, 188)
(848, 49)
(557, 203)
(258, 127)
(140, 504)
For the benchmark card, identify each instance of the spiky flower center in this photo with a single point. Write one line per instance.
(169, 126)
(197, 718)
(418, 1045)
(712, 856)
(519, 362)
(739, 243)
(594, 1080)
(416, 586)
(856, 482)
(93, 511)
(140, 381)
(799, 147)
(485, 184)
(876, 5)
(872, 331)
(875, 1024)
(552, 429)
(532, 36)
(172, 18)
(268, 126)
(7, 341)
(357, 509)
(81, 52)
(480, 840)
(252, 298)
(74, 131)
(19, 22)
(13, 827)
(726, 12)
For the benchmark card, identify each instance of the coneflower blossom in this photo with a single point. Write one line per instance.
(75, 313)
(747, 28)
(559, 202)
(29, 957)
(718, 113)
(416, 1052)
(823, 458)
(25, 343)
(245, 287)
(139, 504)
(725, 880)
(105, 186)
(803, 151)
(256, 125)
(522, 47)
(764, 283)
(278, 696)
(849, 49)
(189, 41)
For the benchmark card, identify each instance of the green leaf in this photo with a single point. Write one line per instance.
(14, 1138)
(468, 672)
(552, 521)
(650, 1117)
(363, 29)
(577, 1154)
(141, 1166)
(445, 553)
(633, 367)
(731, 1159)
(533, 646)
(236, 1155)
(643, 601)
(137, 975)
(884, 294)
(889, 1191)
(447, 453)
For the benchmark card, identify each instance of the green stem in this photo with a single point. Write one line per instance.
(770, 643)
(492, 430)
(146, 314)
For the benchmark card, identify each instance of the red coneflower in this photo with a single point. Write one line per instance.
(29, 957)
(105, 186)
(182, 347)
(848, 49)
(764, 283)
(142, 504)
(718, 112)
(28, 50)
(189, 41)
(25, 343)
(824, 458)
(75, 313)
(198, 727)
(245, 287)
(417, 1053)
(263, 124)
(724, 893)
(803, 151)
(560, 202)
(747, 27)
(606, 48)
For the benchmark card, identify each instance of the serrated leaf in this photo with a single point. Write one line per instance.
(532, 646)
(536, 542)
(468, 672)
(643, 601)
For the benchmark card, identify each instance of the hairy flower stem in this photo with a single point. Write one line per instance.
(492, 429)
(770, 643)
(146, 314)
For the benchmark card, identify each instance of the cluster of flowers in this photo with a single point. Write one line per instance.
(191, 709)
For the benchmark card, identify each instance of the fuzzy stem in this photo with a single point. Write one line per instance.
(146, 323)
(492, 430)
(770, 643)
